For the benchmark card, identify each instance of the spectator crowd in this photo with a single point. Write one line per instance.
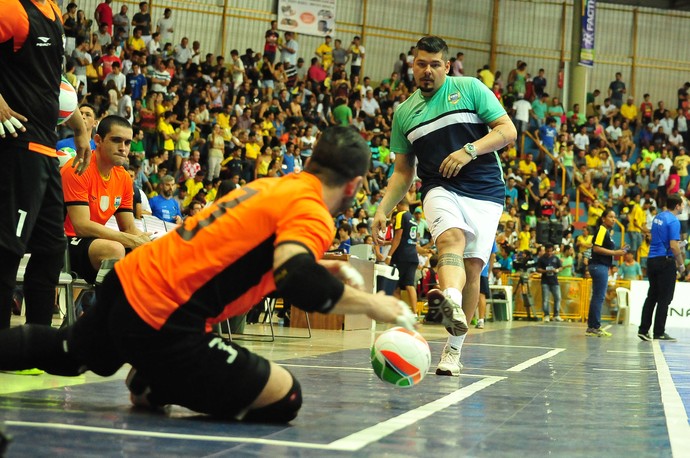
(200, 120)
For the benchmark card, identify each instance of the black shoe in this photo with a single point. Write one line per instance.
(644, 337)
(665, 337)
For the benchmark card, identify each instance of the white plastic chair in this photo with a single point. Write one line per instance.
(623, 295)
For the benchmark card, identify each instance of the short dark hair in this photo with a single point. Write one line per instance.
(673, 201)
(107, 124)
(432, 44)
(340, 155)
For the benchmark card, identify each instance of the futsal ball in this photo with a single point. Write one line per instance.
(400, 357)
(65, 155)
(68, 101)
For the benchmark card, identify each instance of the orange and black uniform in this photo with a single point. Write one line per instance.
(31, 49)
(104, 197)
(154, 310)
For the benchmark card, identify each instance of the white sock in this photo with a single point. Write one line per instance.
(456, 342)
(480, 321)
(454, 294)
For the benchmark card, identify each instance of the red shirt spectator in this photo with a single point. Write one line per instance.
(316, 72)
(104, 15)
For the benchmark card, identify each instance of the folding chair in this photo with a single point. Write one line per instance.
(623, 295)
(269, 303)
(65, 282)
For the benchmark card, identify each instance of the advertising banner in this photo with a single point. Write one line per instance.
(678, 310)
(308, 17)
(588, 26)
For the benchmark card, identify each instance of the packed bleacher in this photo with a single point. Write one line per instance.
(205, 121)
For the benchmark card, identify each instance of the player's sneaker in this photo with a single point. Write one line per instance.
(546, 319)
(644, 337)
(450, 362)
(557, 318)
(139, 390)
(597, 333)
(480, 324)
(452, 316)
(666, 337)
(26, 372)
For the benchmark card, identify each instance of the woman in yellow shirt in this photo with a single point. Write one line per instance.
(262, 162)
(216, 152)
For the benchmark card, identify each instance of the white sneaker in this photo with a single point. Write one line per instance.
(546, 319)
(453, 318)
(557, 318)
(450, 362)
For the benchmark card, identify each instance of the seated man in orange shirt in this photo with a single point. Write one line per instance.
(104, 190)
(155, 312)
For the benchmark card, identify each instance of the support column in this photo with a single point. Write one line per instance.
(430, 17)
(578, 80)
(633, 71)
(494, 36)
(223, 27)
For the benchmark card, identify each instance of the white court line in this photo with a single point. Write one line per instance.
(676, 416)
(623, 370)
(350, 443)
(532, 361)
(627, 351)
(361, 369)
(361, 439)
(503, 345)
(367, 369)
(189, 437)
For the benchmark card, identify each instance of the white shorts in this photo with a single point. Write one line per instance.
(478, 219)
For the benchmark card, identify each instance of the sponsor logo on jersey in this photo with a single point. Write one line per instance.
(43, 42)
(118, 201)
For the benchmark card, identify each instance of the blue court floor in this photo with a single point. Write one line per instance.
(528, 389)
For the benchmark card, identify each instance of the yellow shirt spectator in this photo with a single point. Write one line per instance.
(136, 44)
(584, 242)
(644, 249)
(636, 219)
(193, 186)
(487, 78)
(681, 162)
(593, 214)
(523, 240)
(223, 120)
(165, 128)
(253, 150)
(527, 168)
(593, 162)
(629, 112)
(267, 128)
(544, 185)
(325, 51)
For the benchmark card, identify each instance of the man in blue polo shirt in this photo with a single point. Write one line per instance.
(665, 258)
(163, 206)
(547, 135)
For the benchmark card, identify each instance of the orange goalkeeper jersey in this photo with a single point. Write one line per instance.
(219, 263)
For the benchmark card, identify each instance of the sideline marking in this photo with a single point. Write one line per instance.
(623, 370)
(631, 352)
(361, 439)
(190, 437)
(367, 369)
(351, 443)
(504, 345)
(674, 409)
(532, 361)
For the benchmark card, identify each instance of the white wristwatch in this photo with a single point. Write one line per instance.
(471, 150)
